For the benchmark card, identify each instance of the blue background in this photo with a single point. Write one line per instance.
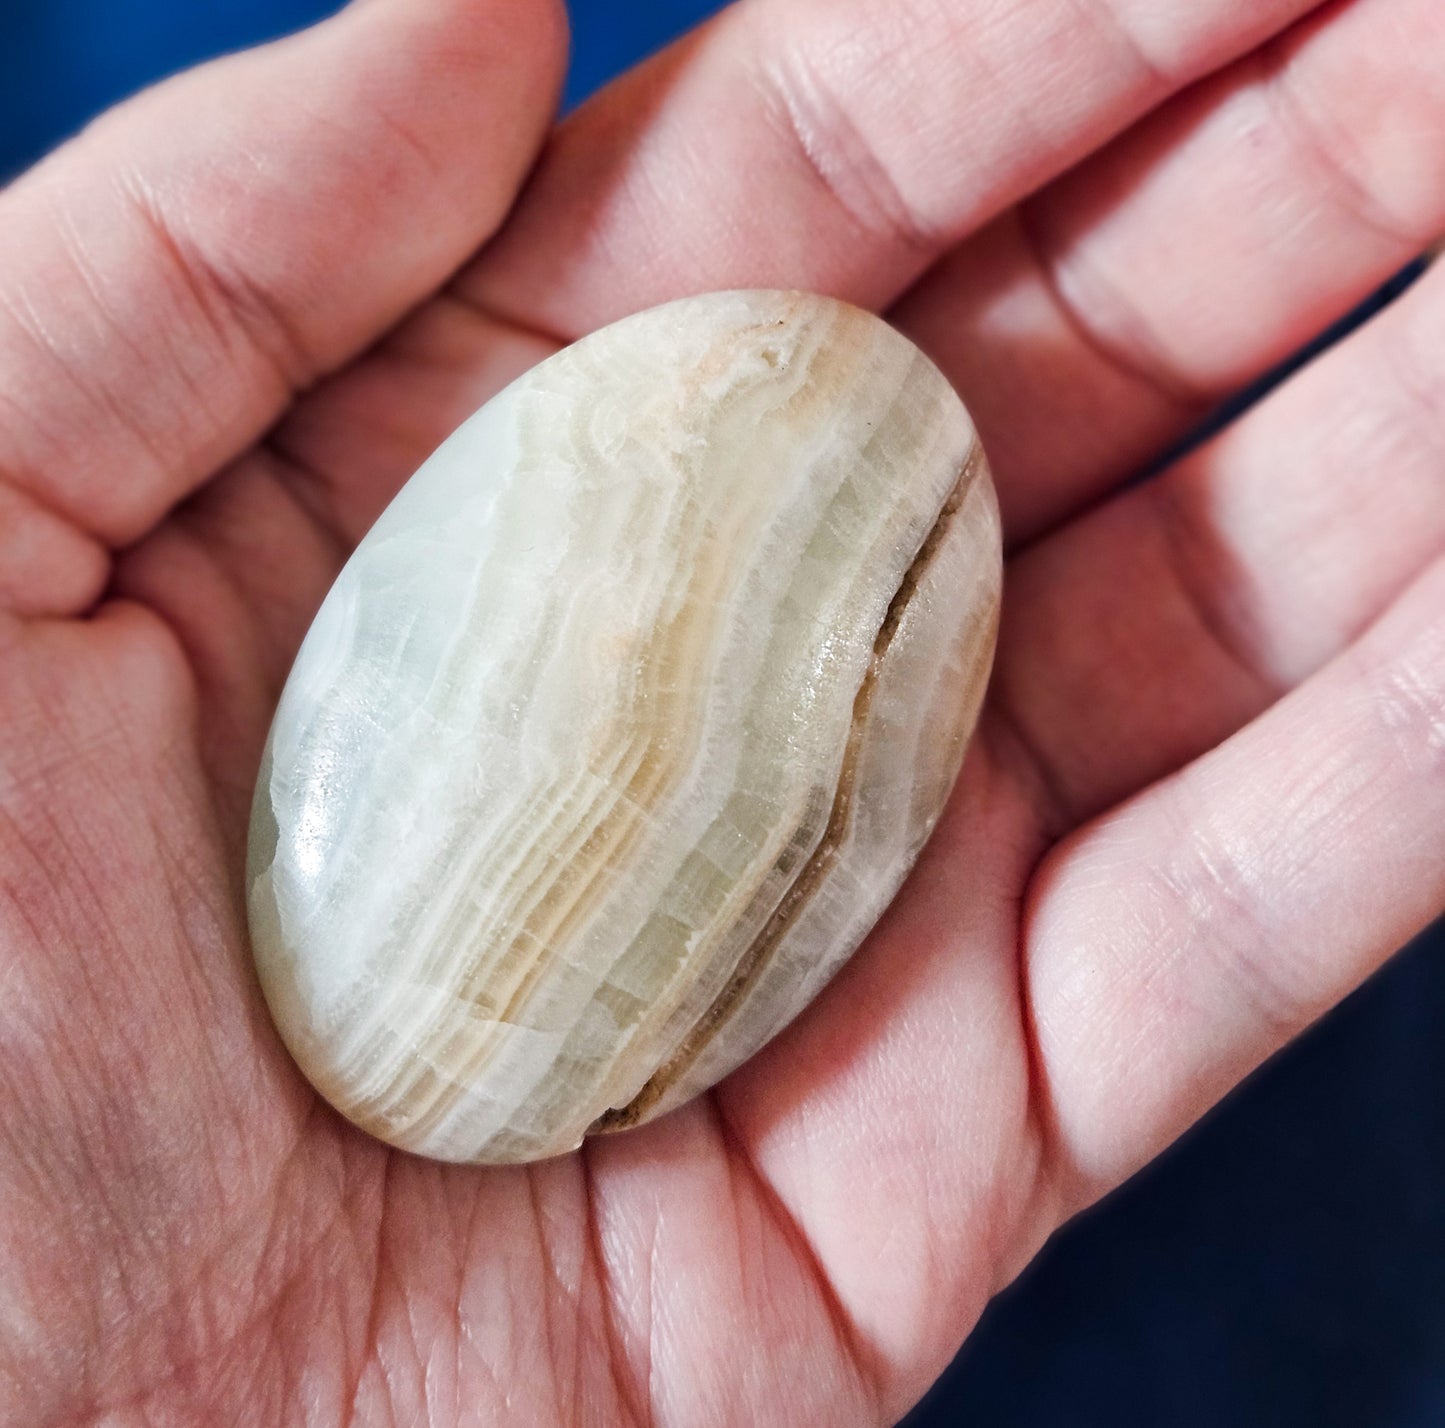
(1285, 1264)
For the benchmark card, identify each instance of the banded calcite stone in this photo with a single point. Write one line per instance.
(623, 725)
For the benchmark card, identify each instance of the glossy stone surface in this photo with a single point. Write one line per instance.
(623, 725)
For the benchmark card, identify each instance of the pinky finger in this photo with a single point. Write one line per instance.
(1180, 940)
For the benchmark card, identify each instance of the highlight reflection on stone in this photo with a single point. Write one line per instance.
(623, 725)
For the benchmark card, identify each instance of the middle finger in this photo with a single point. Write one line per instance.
(1102, 318)
(1148, 631)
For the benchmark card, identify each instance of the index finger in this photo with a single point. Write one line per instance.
(172, 277)
(837, 145)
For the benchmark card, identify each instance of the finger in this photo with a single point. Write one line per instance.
(357, 439)
(46, 564)
(922, 1029)
(1098, 321)
(1179, 942)
(635, 203)
(1148, 631)
(836, 146)
(172, 276)
(900, 1100)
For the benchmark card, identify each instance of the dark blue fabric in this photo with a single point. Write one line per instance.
(609, 35)
(63, 61)
(1285, 1265)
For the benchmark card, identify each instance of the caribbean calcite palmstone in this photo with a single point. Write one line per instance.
(623, 725)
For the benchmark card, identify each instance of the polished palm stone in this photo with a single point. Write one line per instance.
(623, 725)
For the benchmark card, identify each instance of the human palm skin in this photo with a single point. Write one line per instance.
(1204, 802)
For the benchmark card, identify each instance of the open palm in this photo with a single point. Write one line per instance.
(1205, 801)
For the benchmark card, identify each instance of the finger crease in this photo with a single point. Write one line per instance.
(1138, 359)
(1200, 569)
(36, 497)
(1422, 391)
(510, 326)
(1046, 1165)
(786, 1225)
(844, 162)
(1014, 748)
(228, 301)
(634, 1405)
(1218, 897)
(380, 1271)
(316, 488)
(21, 311)
(1325, 148)
(1103, 16)
(307, 488)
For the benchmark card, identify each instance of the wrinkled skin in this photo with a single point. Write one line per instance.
(1204, 803)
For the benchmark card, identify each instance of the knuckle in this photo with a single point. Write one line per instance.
(1215, 888)
(834, 136)
(1340, 157)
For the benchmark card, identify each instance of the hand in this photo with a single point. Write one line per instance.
(1205, 800)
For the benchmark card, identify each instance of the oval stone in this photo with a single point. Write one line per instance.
(623, 725)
